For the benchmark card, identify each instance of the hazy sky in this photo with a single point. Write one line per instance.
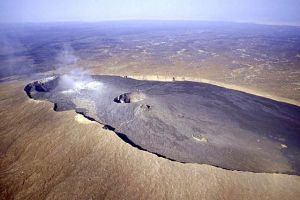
(259, 11)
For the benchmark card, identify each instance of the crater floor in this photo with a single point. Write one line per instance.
(185, 121)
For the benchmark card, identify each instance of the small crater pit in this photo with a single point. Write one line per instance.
(129, 97)
(44, 85)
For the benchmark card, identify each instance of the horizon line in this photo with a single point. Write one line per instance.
(295, 24)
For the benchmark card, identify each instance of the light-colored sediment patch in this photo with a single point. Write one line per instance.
(283, 146)
(136, 97)
(82, 120)
(200, 139)
(35, 101)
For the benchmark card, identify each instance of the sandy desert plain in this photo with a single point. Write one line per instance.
(65, 155)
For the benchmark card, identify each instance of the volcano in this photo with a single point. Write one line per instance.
(185, 121)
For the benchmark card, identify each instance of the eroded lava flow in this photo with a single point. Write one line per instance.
(185, 121)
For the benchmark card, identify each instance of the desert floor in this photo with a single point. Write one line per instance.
(61, 155)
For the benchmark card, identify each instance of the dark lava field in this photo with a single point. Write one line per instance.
(184, 121)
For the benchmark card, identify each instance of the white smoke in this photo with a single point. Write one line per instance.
(74, 83)
(66, 58)
(74, 79)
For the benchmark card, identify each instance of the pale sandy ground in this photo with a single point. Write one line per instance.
(51, 155)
